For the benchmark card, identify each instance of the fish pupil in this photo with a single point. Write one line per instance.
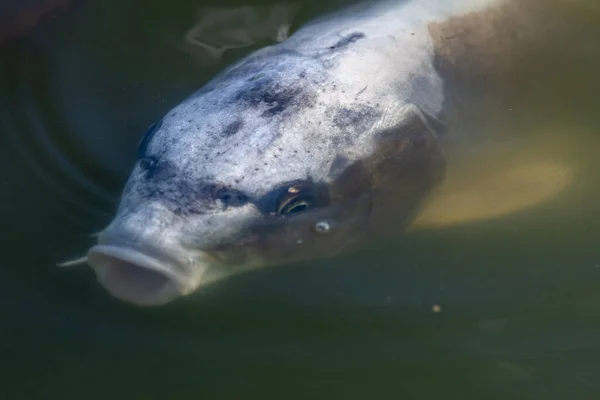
(301, 206)
(296, 206)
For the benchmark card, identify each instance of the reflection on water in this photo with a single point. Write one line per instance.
(208, 41)
(516, 295)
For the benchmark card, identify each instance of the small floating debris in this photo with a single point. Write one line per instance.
(72, 263)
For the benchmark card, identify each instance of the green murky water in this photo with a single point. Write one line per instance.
(503, 308)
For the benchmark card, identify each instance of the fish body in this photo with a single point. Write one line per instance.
(303, 149)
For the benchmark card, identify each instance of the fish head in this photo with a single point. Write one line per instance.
(273, 161)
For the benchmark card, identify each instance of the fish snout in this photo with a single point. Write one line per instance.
(135, 276)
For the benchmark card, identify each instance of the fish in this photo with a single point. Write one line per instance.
(304, 149)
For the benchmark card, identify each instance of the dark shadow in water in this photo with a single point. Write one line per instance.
(500, 309)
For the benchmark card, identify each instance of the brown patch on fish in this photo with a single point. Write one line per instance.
(492, 59)
(500, 39)
(479, 42)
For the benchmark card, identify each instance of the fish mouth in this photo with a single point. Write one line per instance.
(138, 277)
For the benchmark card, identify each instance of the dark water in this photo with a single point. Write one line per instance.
(519, 311)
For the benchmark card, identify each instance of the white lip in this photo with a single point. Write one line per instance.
(164, 265)
(179, 282)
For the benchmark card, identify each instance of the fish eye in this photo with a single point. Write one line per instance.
(296, 199)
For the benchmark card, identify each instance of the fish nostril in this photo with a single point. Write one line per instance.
(131, 282)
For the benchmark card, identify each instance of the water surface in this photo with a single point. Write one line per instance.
(499, 308)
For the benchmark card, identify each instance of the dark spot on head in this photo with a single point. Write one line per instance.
(270, 93)
(147, 163)
(351, 38)
(268, 85)
(230, 197)
(359, 118)
(233, 128)
(157, 170)
(184, 196)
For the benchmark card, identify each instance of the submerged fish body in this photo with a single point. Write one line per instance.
(303, 149)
